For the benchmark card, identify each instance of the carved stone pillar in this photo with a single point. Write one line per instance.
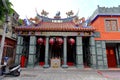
(46, 52)
(79, 52)
(65, 53)
(32, 51)
(19, 49)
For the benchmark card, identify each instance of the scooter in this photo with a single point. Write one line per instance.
(13, 70)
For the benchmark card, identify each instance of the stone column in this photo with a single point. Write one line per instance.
(93, 52)
(65, 53)
(46, 52)
(19, 49)
(79, 52)
(105, 65)
(32, 51)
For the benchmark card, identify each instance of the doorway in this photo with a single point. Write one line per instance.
(41, 54)
(71, 51)
(25, 51)
(55, 51)
(111, 57)
(40, 51)
(86, 52)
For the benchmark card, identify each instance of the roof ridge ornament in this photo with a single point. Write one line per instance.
(69, 13)
(78, 20)
(36, 20)
(77, 13)
(44, 13)
(57, 16)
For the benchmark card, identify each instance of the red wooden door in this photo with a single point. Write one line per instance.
(111, 58)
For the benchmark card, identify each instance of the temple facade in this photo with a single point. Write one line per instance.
(71, 41)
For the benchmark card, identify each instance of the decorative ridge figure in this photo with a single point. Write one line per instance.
(57, 16)
(44, 13)
(69, 14)
(78, 21)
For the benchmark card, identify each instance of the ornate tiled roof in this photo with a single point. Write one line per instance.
(55, 26)
(69, 24)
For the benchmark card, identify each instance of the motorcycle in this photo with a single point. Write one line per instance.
(13, 70)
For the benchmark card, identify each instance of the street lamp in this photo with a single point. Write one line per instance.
(5, 28)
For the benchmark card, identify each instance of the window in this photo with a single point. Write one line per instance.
(111, 25)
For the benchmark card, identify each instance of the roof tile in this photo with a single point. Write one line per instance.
(52, 26)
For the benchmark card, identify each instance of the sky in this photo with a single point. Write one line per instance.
(27, 8)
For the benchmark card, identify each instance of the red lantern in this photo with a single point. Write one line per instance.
(52, 41)
(60, 41)
(71, 41)
(40, 41)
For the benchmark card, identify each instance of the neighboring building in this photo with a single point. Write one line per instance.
(76, 42)
(10, 39)
(107, 24)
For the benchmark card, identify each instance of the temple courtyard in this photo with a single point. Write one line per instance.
(70, 73)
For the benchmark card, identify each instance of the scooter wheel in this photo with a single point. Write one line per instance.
(16, 73)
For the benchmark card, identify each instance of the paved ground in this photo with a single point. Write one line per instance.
(65, 74)
(113, 74)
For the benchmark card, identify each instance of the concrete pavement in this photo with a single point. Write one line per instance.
(63, 74)
(113, 74)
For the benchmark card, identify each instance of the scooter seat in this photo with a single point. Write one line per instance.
(13, 66)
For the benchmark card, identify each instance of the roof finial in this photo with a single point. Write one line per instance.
(36, 11)
(57, 16)
(44, 13)
(70, 13)
(77, 13)
(98, 6)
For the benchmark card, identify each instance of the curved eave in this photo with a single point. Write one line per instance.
(76, 29)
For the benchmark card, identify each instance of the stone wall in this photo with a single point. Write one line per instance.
(32, 51)
(19, 49)
(101, 57)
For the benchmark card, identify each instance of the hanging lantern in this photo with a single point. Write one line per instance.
(40, 41)
(52, 41)
(71, 41)
(60, 41)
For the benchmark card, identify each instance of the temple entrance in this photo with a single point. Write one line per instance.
(25, 52)
(41, 55)
(56, 51)
(55, 56)
(71, 52)
(111, 56)
(40, 51)
(56, 47)
(86, 52)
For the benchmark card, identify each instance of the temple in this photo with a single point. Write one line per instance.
(71, 41)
